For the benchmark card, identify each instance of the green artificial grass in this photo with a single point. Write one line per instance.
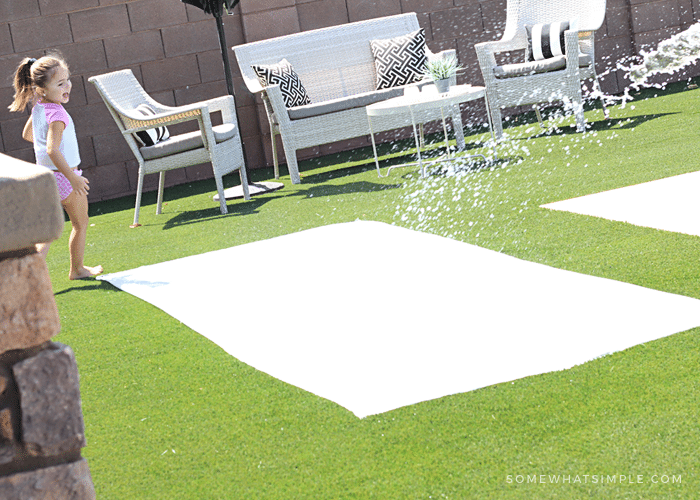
(169, 415)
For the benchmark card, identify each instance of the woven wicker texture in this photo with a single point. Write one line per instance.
(586, 17)
(122, 94)
(332, 62)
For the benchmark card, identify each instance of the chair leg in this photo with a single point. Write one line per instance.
(139, 192)
(580, 118)
(275, 160)
(497, 121)
(222, 197)
(458, 127)
(596, 85)
(291, 153)
(244, 182)
(539, 115)
(161, 188)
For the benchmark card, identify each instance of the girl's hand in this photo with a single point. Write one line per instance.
(79, 183)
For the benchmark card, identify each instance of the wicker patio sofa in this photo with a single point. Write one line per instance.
(337, 69)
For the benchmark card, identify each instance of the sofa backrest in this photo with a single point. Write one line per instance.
(331, 62)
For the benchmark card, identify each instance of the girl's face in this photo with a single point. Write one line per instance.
(58, 89)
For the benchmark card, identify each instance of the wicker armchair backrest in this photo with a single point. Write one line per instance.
(590, 14)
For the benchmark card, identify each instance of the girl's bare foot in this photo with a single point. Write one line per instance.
(85, 272)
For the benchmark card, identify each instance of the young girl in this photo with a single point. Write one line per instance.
(46, 84)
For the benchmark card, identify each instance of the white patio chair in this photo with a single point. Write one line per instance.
(525, 83)
(220, 145)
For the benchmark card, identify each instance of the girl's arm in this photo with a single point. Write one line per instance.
(28, 132)
(53, 144)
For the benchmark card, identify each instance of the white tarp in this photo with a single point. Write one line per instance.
(375, 317)
(670, 204)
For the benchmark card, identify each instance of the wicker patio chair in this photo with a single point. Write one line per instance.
(519, 84)
(220, 145)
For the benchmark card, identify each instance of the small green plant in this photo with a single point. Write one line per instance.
(441, 69)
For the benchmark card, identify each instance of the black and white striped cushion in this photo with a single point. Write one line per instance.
(400, 60)
(152, 136)
(283, 74)
(546, 40)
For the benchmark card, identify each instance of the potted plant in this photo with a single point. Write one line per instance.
(441, 70)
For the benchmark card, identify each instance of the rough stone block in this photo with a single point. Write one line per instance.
(49, 392)
(6, 432)
(70, 481)
(28, 313)
(29, 204)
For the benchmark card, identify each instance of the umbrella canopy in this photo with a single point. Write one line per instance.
(215, 7)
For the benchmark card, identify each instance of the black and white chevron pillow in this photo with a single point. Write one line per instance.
(283, 74)
(400, 60)
(546, 40)
(151, 136)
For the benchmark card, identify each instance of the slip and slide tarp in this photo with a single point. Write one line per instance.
(670, 204)
(375, 317)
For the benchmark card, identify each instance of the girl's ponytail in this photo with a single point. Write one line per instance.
(24, 87)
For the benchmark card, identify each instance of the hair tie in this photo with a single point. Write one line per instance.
(31, 60)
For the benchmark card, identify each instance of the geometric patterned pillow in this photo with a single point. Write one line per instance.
(283, 74)
(151, 136)
(546, 40)
(400, 60)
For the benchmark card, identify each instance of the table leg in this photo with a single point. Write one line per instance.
(444, 128)
(415, 136)
(488, 115)
(374, 147)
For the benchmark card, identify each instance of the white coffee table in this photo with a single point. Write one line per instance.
(415, 102)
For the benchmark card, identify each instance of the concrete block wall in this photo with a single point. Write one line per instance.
(173, 50)
(41, 421)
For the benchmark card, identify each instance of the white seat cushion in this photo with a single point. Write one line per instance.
(186, 142)
(534, 67)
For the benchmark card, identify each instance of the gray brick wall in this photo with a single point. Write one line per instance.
(173, 50)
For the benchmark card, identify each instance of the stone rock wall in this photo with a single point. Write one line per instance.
(41, 421)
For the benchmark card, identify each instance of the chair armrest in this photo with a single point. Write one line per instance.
(135, 122)
(224, 104)
(571, 41)
(279, 108)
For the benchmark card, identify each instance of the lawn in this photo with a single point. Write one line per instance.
(169, 415)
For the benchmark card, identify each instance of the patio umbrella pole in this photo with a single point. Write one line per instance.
(216, 8)
(253, 188)
(224, 55)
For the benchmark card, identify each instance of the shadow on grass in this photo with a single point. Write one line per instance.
(253, 206)
(234, 210)
(630, 122)
(94, 284)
